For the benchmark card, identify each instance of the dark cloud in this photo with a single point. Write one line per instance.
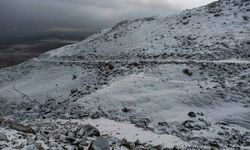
(27, 17)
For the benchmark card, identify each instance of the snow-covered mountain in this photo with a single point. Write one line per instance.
(216, 31)
(182, 80)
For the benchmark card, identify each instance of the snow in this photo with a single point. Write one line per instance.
(138, 65)
(123, 130)
(39, 84)
(148, 95)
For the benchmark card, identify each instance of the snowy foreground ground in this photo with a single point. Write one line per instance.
(177, 82)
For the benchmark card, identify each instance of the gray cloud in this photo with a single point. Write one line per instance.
(27, 17)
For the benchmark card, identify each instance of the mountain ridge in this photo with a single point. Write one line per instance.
(169, 38)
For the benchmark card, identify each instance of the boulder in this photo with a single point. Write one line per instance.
(86, 130)
(125, 109)
(128, 145)
(189, 124)
(192, 114)
(188, 72)
(140, 122)
(99, 144)
(3, 137)
(21, 128)
(214, 144)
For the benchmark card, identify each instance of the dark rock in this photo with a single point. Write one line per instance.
(214, 144)
(74, 77)
(3, 137)
(149, 19)
(110, 66)
(70, 139)
(214, 7)
(134, 64)
(176, 148)
(80, 147)
(39, 146)
(125, 109)
(188, 124)
(115, 36)
(95, 115)
(46, 132)
(73, 91)
(28, 108)
(21, 146)
(99, 144)
(137, 143)
(21, 128)
(140, 122)
(217, 15)
(86, 130)
(157, 147)
(192, 114)
(128, 145)
(185, 22)
(188, 72)
(83, 142)
(163, 124)
(1, 120)
(2, 146)
(245, 17)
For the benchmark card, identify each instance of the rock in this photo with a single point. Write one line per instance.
(214, 7)
(137, 142)
(163, 124)
(214, 144)
(95, 115)
(192, 114)
(82, 142)
(39, 146)
(46, 132)
(86, 130)
(128, 145)
(1, 120)
(21, 128)
(74, 77)
(73, 91)
(3, 137)
(176, 148)
(185, 22)
(115, 36)
(217, 15)
(62, 138)
(70, 139)
(80, 147)
(188, 72)
(189, 124)
(140, 122)
(110, 66)
(99, 144)
(125, 109)
(245, 17)
(2, 146)
(148, 19)
(157, 147)
(21, 146)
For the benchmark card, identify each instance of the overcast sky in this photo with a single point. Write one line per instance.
(27, 17)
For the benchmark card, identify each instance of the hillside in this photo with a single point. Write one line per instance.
(176, 82)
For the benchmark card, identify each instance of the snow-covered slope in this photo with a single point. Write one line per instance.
(216, 31)
(186, 77)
